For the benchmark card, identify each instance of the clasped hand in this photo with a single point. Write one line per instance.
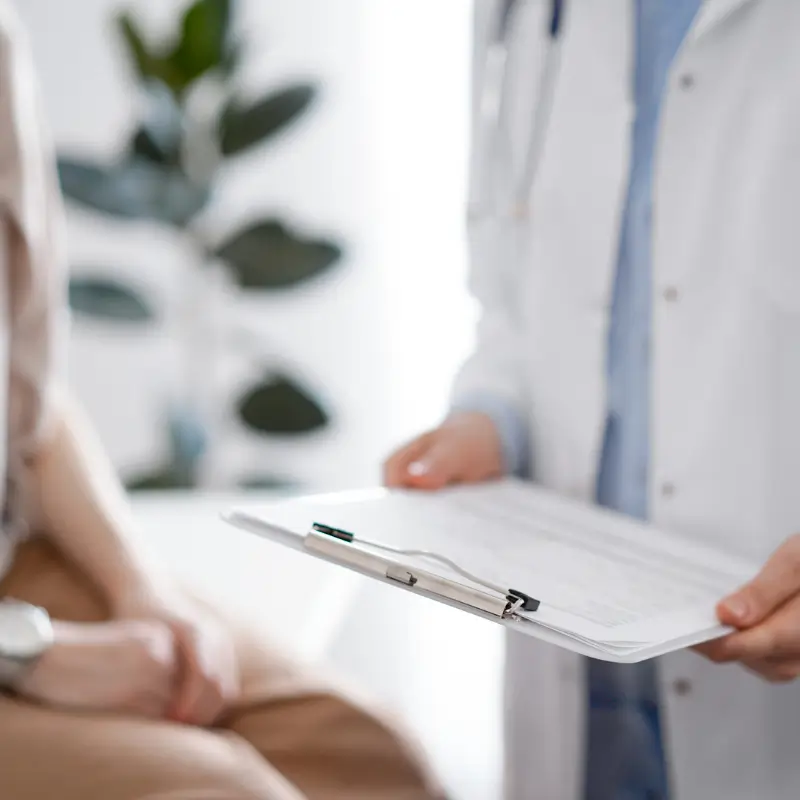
(162, 656)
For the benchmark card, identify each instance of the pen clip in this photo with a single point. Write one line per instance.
(501, 603)
(524, 602)
(336, 533)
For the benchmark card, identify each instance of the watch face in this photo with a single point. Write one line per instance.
(24, 630)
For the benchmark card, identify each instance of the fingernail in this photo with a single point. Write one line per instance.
(418, 469)
(738, 607)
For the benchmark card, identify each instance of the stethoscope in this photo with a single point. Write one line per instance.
(494, 95)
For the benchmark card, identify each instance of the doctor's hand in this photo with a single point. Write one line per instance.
(465, 448)
(766, 613)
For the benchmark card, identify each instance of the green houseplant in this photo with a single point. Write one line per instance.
(167, 173)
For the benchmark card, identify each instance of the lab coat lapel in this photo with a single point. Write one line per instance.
(714, 12)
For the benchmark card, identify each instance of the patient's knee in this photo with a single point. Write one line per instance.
(233, 771)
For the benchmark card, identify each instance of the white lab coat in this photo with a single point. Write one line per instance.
(725, 343)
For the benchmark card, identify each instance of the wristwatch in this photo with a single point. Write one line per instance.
(26, 634)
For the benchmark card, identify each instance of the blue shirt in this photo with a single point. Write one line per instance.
(625, 755)
(625, 759)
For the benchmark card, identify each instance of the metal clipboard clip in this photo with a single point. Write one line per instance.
(342, 547)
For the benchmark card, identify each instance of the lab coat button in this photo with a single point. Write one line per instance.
(521, 211)
(671, 294)
(687, 81)
(668, 489)
(682, 687)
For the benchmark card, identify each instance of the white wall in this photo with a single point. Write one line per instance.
(379, 163)
(418, 52)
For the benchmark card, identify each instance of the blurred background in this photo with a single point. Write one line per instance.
(265, 204)
(271, 196)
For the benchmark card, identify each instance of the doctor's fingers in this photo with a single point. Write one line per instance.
(776, 638)
(775, 670)
(777, 582)
(440, 464)
(396, 467)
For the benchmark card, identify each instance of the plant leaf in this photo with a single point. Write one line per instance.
(188, 438)
(158, 139)
(136, 189)
(143, 60)
(166, 478)
(270, 483)
(203, 44)
(232, 58)
(144, 145)
(267, 255)
(188, 442)
(244, 127)
(279, 406)
(107, 299)
(147, 64)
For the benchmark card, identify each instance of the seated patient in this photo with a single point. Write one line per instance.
(115, 685)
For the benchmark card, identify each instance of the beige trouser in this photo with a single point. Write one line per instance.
(290, 738)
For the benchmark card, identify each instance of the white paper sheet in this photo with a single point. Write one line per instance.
(603, 580)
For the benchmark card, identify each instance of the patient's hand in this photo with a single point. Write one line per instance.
(464, 449)
(124, 667)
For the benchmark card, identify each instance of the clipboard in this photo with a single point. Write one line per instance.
(467, 548)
